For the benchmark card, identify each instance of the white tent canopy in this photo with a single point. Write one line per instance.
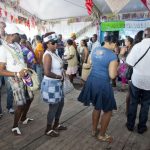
(132, 6)
(56, 9)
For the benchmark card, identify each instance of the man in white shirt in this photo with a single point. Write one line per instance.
(96, 43)
(140, 86)
(15, 71)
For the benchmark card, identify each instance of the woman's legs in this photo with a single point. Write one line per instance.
(51, 115)
(58, 113)
(95, 119)
(71, 78)
(57, 125)
(105, 122)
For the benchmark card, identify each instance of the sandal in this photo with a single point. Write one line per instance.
(105, 138)
(16, 131)
(27, 120)
(52, 133)
(61, 127)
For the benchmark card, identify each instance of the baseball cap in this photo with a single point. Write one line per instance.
(51, 38)
(12, 29)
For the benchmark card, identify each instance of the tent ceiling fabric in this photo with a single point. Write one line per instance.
(132, 6)
(55, 9)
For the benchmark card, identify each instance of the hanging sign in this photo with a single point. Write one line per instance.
(143, 24)
(112, 26)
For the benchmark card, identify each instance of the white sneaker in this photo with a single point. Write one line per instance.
(11, 111)
(16, 131)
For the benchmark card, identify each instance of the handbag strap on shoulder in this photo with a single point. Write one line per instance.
(142, 56)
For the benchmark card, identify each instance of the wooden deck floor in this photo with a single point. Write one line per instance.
(77, 137)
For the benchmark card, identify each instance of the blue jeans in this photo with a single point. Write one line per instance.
(39, 71)
(135, 94)
(10, 97)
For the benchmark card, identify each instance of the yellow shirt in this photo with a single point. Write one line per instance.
(73, 62)
(38, 50)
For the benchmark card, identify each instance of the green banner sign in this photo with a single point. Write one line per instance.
(112, 26)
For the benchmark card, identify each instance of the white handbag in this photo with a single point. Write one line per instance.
(67, 86)
(35, 80)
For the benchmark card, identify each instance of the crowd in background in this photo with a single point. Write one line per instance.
(97, 66)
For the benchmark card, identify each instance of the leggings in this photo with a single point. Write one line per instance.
(54, 112)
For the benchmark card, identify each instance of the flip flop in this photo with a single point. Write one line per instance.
(61, 127)
(16, 131)
(52, 133)
(105, 138)
(27, 120)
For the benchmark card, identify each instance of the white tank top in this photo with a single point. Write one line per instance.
(57, 63)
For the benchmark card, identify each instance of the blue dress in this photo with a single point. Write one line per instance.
(97, 89)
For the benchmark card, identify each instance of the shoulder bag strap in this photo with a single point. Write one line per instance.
(142, 56)
(13, 55)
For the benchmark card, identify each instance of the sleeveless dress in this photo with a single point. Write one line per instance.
(97, 89)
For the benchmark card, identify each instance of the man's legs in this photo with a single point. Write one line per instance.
(143, 116)
(10, 97)
(132, 111)
(39, 71)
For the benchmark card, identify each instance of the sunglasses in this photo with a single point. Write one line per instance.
(53, 42)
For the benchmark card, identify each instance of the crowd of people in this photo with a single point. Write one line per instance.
(100, 67)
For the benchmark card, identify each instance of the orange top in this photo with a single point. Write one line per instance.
(39, 51)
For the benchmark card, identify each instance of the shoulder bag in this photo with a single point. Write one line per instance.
(32, 73)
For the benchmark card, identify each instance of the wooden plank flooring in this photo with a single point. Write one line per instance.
(78, 136)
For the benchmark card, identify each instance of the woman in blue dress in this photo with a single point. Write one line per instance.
(98, 90)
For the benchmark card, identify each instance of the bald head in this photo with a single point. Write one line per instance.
(147, 33)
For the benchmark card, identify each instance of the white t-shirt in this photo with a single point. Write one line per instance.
(95, 44)
(6, 57)
(141, 72)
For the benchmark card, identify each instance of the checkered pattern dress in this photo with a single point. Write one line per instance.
(52, 91)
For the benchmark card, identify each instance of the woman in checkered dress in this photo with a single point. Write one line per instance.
(52, 85)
